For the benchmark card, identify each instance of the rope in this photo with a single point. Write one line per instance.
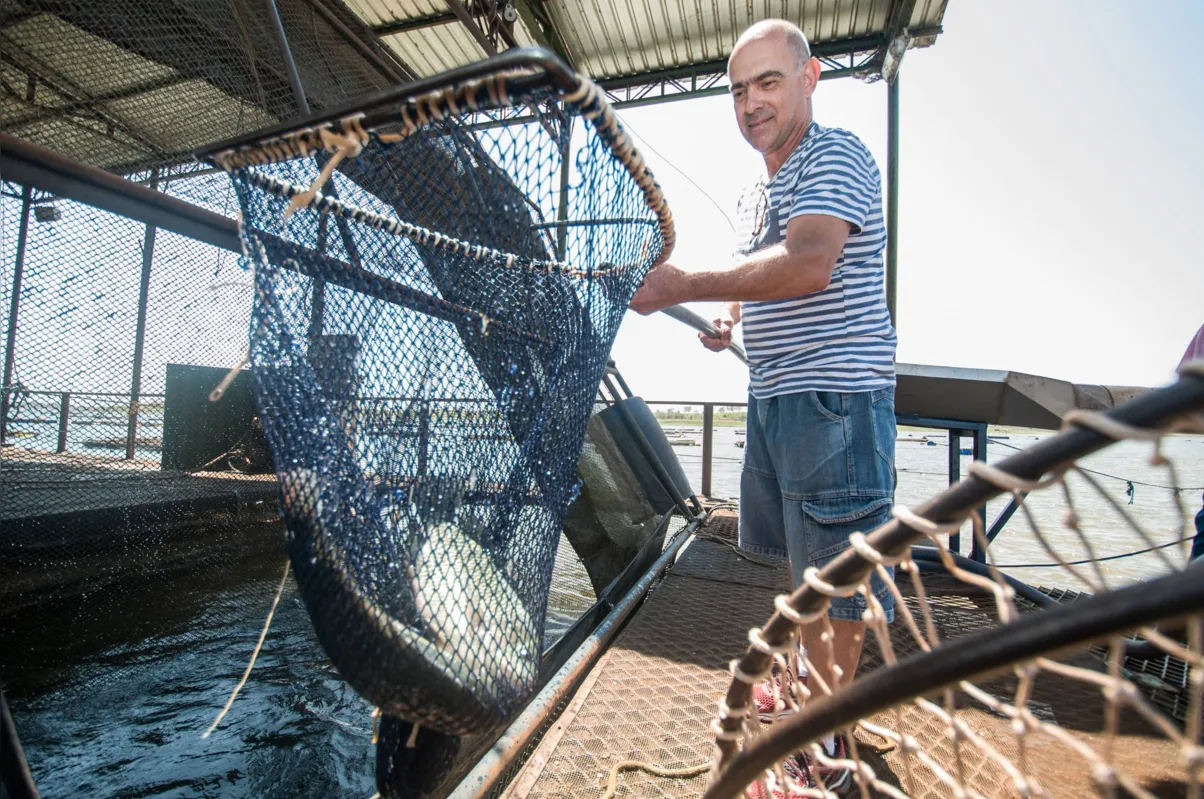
(1090, 560)
(612, 784)
(753, 559)
(1115, 476)
(255, 654)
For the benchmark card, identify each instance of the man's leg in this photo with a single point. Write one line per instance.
(841, 648)
(761, 530)
(836, 470)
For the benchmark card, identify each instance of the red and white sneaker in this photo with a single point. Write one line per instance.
(770, 695)
(836, 779)
(798, 773)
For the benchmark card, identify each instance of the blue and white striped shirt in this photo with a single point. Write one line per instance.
(841, 338)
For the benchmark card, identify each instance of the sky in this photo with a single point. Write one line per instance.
(1051, 187)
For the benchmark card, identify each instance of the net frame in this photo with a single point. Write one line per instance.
(467, 701)
(750, 756)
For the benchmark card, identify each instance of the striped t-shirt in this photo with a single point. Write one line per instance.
(841, 338)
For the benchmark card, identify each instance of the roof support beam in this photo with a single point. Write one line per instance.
(36, 68)
(889, 57)
(376, 59)
(538, 19)
(414, 23)
(40, 113)
(471, 25)
(840, 58)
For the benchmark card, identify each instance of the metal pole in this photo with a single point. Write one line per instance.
(892, 194)
(64, 419)
(562, 211)
(317, 308)
(290, 66)
(955, 474)
(502, 756)
(470, 24)
(708, 419)
(1005, 516)
(14, 307)
(148, 256)
(980, 454)
(349, 36)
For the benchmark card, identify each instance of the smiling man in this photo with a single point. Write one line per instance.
(808, 285)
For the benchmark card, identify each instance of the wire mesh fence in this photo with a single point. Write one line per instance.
(134, 84)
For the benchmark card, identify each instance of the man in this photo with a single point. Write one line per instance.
(809, 288)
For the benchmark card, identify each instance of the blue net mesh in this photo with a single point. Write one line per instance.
(429, 332)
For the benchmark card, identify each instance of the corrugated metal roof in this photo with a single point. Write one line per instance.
(131, 84)
(614, 40)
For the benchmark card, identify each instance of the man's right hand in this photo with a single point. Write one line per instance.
(724, 325)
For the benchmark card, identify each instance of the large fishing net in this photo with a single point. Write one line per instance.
(436, 297)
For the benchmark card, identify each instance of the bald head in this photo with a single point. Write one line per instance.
(781, 31)
(772, 76)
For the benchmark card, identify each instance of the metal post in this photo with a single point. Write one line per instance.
(892, 194)
(980, 454)
(424, 434)
(290, 66)
(562, 211)
(317, 308)
(148, 256)
(955, 474)
(64, 416)
(14, 307)
(1005, 516)
(708, 420)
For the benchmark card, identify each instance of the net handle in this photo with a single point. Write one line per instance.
(1151, 411)
(487, 85)
(1066, 627)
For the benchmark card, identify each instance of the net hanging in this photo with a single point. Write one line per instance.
(440, 274)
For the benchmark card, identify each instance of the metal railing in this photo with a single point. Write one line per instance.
(16, 403)
(955, 429)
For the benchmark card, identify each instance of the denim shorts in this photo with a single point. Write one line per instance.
(818, 466)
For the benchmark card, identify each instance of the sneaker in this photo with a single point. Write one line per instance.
(770, 698)
(836, 779)
(796, 768)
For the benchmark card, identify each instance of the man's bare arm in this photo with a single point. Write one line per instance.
(801, 264)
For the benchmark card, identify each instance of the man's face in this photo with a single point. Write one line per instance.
(769, 91)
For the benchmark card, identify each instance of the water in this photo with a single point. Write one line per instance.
(112, 689)
(923, 473)
(120, 712)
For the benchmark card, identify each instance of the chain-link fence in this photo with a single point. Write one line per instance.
(139, 537)
(134, 84)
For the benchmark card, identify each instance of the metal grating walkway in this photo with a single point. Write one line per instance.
(653, 695)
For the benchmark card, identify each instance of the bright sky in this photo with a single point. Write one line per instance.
(1051, 180)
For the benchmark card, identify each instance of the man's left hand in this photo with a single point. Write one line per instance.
(663, 286)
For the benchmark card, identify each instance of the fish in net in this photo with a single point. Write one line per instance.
(440, 273)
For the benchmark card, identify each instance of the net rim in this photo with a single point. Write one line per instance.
(1163, 410)
(489, 84)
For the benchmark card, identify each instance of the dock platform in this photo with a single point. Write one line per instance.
(652, 697)
(67, 518)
